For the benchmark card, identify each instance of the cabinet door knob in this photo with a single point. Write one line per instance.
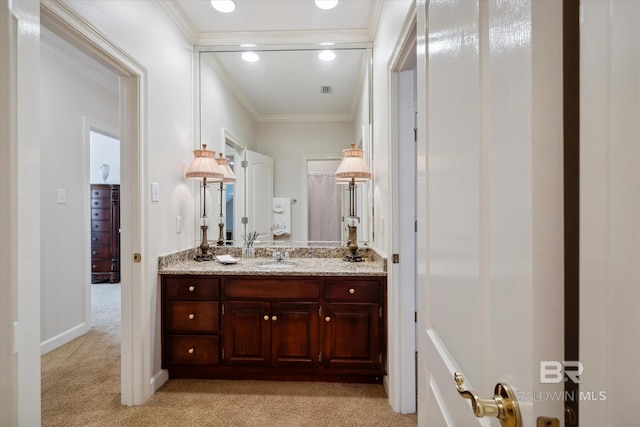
(327, 319)
(266, 317)
(274, 318)
(352, 291)
(192, 288)
(192, 316)
(192, 350)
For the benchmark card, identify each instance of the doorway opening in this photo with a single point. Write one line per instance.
(403, 298)
(324, 201)
(135, 340)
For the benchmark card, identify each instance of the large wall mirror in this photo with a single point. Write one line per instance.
(283, 115)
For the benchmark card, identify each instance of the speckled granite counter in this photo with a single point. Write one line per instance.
(264, 266)
(267, 267)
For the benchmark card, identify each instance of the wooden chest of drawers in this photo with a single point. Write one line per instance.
(105, 233)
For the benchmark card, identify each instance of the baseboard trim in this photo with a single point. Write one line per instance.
(63, 338)
(158, 380)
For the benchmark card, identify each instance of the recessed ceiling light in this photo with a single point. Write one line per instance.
(250, 57)
(326, 4)
(327, 55)
(224, 6)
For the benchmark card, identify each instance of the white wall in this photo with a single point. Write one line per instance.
(388, 32)
(609, 210)
(221, 109)
(66, 96)
(104, 150)
(287, 143)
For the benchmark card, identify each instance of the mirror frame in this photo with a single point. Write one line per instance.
(365, 230)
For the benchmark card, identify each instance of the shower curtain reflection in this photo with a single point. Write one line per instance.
(324, 207)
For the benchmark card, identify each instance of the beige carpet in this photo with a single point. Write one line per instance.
(81, 387)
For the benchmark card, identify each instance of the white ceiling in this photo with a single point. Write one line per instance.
(280, 87)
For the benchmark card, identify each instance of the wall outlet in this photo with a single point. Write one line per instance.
(155, 192)
(179, 224)
(62, 196)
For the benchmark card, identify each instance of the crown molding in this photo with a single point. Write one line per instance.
(365, 35)
(178, 16)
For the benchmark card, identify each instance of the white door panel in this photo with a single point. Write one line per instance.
(491, 191)
(259, 194)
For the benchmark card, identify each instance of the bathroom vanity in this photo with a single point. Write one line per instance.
(317, 319)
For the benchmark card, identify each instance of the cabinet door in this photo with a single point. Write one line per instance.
(247, 333)
(294, 330)
(352, 336)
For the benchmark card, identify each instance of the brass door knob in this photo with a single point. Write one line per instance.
(503, 405)
(352, 291)
(192, 316)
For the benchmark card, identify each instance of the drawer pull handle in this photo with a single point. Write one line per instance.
(192, 350)
(274, 318)
(192, 316)
(266, 317)
(352, 291)
(192, 288)
(327, 319)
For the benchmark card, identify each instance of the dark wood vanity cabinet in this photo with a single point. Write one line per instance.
(353, 323)
(105, 233)
(190, 322)
(266, 327)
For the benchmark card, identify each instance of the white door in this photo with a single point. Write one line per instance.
(490, 206)
(609, 212)
(259, 194)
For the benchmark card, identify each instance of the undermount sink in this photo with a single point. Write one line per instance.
(277, 264)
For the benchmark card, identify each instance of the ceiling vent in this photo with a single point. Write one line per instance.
(326, 89)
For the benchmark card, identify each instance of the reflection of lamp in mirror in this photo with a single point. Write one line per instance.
(204, 167)
(351, 171)
(229, 178)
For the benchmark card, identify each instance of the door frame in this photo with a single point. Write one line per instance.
(135, 349)
(403, 306)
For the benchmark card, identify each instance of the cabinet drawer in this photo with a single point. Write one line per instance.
(188, 316)
(100, 252)
(192, 288)
(101, 193)
(103, 265)
(101, 203)
(101, 225)
(272, 288)
(352, 290)
(192, 349)
(101, 214)
(100, 238)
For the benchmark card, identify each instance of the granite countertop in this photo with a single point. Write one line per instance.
(266, 267)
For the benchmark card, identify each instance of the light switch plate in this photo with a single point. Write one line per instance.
(155, 192)
(62, 196)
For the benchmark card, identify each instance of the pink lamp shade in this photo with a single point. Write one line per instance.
(204, 165)
(229, 176)
(352, 168)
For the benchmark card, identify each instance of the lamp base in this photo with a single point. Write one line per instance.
(203, 257)
(352, 257)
